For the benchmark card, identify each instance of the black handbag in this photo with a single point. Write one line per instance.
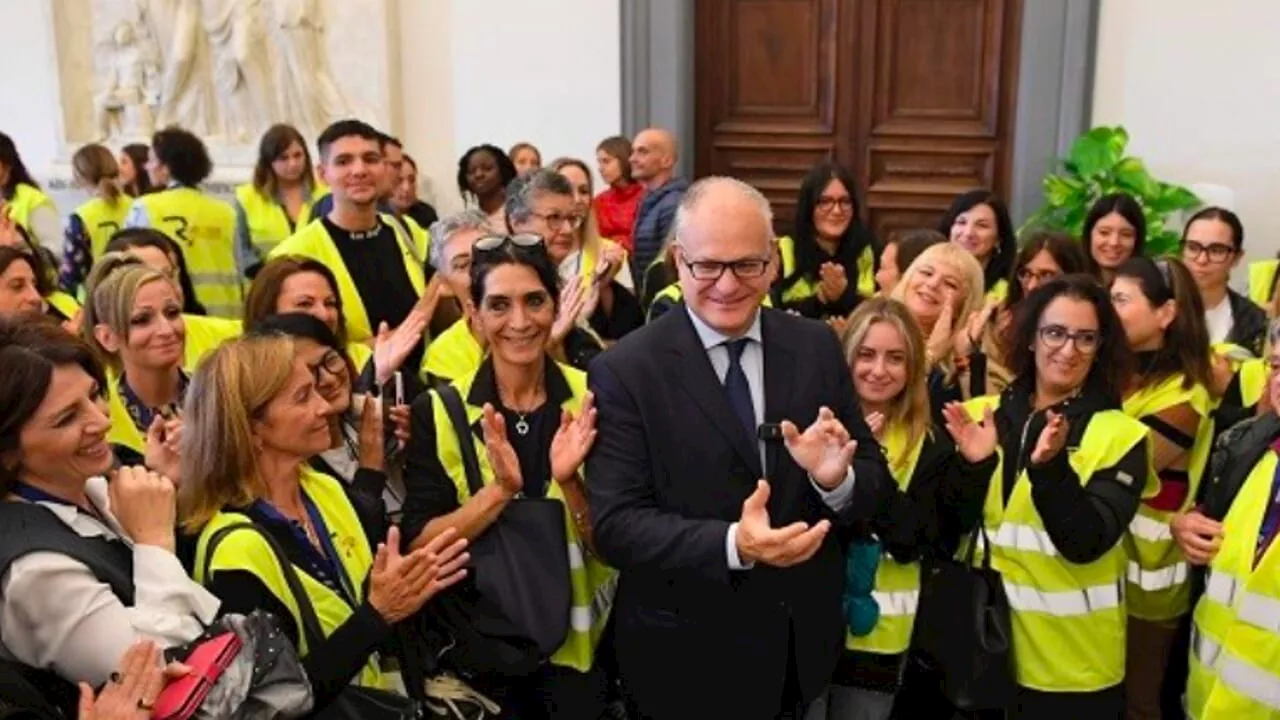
(353, 701)
(964, 630)
(512, 611)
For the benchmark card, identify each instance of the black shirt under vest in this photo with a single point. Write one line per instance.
(375, 261)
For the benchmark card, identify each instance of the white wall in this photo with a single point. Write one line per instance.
(470, 71)
(1197, 85)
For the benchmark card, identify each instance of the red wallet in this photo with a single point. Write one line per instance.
(182, 697)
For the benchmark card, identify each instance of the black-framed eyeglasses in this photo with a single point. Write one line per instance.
(555, 220)
(1217, 252)
(1026, 275)
(745, 269)
(1055, 337)
(524, 241)
(332, 363)
(827, 204)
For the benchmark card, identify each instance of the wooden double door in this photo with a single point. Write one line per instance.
(915, 96)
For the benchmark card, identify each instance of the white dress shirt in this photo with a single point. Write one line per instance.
(752, 360)
(55, 615)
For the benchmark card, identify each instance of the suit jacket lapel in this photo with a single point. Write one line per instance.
(692, 369)
(780, 368)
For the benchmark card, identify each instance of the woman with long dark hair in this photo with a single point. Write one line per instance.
(1054, 518)
(278, 200)
(1114, 231)
(1163, 319)
(24, 201)
(829, 261)
(538, 424)
(979, 222)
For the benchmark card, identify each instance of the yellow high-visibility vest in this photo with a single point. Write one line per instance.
(204, 229)
(1235, 637)
(1069, 619)
(592, 582)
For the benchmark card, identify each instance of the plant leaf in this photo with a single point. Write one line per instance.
(1091, 154)
(1060, 190)
(1132, 177)
(1175, 197)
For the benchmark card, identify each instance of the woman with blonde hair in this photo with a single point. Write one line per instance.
(133, 319)
(92, 224)
(599, 263)
(942, 288)
(886, 355)
(256, 418)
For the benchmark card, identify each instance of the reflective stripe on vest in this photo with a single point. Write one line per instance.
(1068, 618)
(204, 229)
(804, 288)
(1153, 581)
(592, 582)
(1235, 649)
(313, 241)
(1065, 603)
(268, 220)
(1157, 571)
(101, 220)
(248, 552)
(897, 585)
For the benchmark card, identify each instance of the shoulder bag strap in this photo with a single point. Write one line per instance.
(306, 612)
(462, 429)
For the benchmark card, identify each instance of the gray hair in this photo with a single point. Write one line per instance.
(522, 191)
(446, 227)
(698, 191)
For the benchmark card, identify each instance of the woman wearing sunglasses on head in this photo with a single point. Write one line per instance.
(537, 423)
(1055, 516)
(1159, 306)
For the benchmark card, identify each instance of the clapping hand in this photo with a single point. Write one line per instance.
(824, 449)
(975, 441)
(399, 585)
(780, 547)
(941, 338)
(502, 456)
(392, 347)
(572, 300)
(832, 282)
(1052, 438)
(573, 440)
(370, 439)
(875, 421)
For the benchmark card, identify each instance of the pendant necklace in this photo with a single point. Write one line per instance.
(522, 426)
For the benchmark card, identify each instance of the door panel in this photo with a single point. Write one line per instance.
(916, 96)
(940, 79)
(767, 83)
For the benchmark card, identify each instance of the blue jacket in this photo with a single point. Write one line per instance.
(654, 218)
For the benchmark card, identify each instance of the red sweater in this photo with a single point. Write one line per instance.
(616, 213)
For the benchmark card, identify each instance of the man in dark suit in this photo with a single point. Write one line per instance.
(729, 600)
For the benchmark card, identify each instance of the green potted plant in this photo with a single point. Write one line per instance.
(1098, 166)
